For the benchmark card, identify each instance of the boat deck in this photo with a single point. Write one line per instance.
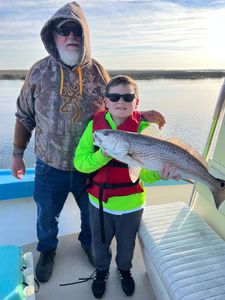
(71, 263)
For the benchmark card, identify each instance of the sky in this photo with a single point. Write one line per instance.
(125, 34)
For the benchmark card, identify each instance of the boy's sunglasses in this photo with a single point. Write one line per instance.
(116, 97)
(65, 30)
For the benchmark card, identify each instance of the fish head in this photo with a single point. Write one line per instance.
(112, 141)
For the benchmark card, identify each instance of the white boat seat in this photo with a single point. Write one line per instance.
(184, 256)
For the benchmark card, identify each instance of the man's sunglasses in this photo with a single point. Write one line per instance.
(116, 97)
(65, 30)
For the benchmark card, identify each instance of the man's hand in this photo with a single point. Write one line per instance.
(153, 116)
(18, 167)
(169, 172)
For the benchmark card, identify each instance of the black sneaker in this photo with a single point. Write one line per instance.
(89, 254)
(44, 266)
(99, 283)
(127, 282)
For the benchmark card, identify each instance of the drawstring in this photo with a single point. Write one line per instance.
(61, 80)
(79, 73)
(80, 79)
(80, 280)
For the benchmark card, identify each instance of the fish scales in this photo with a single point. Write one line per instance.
(152, 153)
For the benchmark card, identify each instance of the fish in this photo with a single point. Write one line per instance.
(152, 152)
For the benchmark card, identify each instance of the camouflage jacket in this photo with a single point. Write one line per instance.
(58, 101)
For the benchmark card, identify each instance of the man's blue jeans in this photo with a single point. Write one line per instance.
(50, 192)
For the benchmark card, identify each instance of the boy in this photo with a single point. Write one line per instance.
(114, 199)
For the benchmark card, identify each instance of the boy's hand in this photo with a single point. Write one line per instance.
(169, 172)
(105, 154)
(154, 116)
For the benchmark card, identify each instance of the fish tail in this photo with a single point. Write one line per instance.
(219, 195)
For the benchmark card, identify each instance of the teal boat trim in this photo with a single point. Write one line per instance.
(12, 188)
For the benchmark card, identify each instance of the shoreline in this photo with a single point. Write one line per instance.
(136, 74)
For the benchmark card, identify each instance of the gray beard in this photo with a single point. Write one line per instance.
(69, 58)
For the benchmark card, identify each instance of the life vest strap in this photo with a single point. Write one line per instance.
(117, 164)
(101, 216)
(101, 191)
(115, 185)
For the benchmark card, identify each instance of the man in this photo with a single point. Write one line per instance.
(59, 96)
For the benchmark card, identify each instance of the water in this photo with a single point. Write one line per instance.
(187, 105)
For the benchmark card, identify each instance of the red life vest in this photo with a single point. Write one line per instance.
(113, 179)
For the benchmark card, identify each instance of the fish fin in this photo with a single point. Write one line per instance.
(131, 161)
(189, 180)
(219, 197)
(151, 130)
(182, 144)
(134, 173)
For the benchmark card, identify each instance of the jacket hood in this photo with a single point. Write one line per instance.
(71, 11)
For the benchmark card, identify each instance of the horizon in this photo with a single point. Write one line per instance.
(137, 74)
(139, 70)
(166, 35)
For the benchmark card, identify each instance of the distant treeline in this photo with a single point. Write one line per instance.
(170, 74)
(138, 74)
